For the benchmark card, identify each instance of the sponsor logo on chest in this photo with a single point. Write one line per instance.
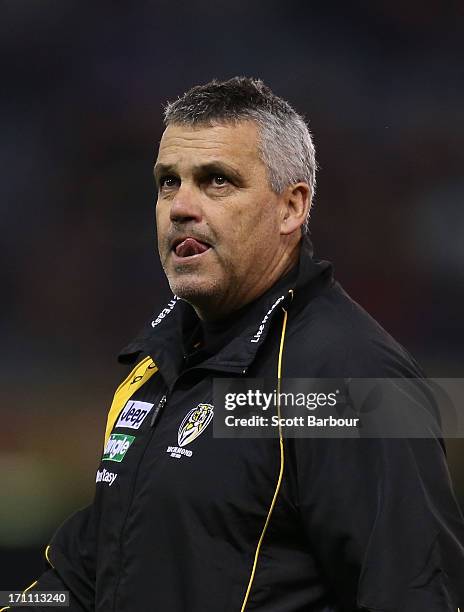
(105, 476)
(133, 414)
(116, 447)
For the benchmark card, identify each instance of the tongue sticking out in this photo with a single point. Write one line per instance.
(189, 247)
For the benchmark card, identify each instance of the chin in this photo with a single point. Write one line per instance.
(195, 291)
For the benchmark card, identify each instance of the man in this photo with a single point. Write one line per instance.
(188, 522)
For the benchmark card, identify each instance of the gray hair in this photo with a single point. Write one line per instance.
(286, 146)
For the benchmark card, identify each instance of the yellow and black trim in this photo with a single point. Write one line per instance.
(142, 372)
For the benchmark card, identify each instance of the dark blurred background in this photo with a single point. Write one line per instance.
(82, 87)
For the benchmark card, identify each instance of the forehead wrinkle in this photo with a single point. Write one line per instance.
(191, 143)
(219, 149)
(229, 154)
(179, 151)
(226, 137)
(193, 139)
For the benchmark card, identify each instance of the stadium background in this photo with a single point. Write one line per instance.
(80, 114)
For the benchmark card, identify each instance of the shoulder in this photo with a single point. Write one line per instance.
(333, 336)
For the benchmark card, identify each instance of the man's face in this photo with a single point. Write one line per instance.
(217, 217)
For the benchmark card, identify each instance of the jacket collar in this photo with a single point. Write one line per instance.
(162, 338)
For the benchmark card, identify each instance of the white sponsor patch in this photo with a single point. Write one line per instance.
(105, 476)
(134, 414)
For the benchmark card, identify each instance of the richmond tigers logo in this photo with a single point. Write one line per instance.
(194, 423)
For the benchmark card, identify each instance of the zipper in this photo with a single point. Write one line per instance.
(159, 407)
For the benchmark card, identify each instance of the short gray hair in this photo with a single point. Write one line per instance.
(286, 144)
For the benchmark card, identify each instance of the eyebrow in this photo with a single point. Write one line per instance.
(161, 169)
(213, 167)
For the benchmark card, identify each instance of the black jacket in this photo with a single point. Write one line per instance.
(224, 525)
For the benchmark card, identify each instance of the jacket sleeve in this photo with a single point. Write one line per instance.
(51, 581)
(380, 513)
(70, 564)
(72, 555)
(383, 522)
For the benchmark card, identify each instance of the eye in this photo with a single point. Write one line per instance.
(168, 182)
(218, 180)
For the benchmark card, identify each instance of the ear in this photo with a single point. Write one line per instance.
(295, 207)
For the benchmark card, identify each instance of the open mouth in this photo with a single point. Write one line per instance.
(189, 247)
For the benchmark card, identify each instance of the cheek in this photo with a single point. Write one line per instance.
(253, 235)
(161, 218)
(263, 221)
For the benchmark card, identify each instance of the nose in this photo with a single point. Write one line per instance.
(185, 206)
